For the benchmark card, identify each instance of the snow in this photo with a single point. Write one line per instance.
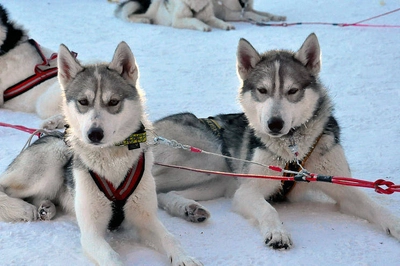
(186, 70)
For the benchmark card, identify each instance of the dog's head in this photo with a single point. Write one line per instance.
(280, 89)
(102, 103)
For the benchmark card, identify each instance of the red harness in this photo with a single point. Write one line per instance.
(43, 72)
(126, 188)
(118, 196)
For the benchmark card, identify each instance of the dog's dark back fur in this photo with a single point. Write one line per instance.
(14, 35)
(144, 5)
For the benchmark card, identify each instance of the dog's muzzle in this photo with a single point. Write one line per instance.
(95, 135)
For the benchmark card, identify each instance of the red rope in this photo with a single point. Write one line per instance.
(355, 24)
(309, 177)
(21, 128)
(381, 15)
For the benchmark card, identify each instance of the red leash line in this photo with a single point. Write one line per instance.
(282, 178)
(345, 181)
(355, 24)
(381, 15)
(21, 128)
(305, 177)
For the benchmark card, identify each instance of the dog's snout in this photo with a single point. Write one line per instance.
(275, 124)
(95, 134)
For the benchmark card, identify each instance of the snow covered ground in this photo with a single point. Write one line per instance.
(186, 70)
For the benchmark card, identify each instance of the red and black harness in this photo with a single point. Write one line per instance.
(43, 71)
(118, 196)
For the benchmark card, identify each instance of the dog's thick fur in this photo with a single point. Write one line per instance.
(103, 105)
(284, 104)
(18, 59)
(182, 14)
(242, 10)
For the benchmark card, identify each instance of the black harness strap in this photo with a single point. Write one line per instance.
(287, 186)
(217, 130)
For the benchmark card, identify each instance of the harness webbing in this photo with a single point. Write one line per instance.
(212, 125)
(287, 186)
(126, 188)
(118, 196)
(43, 71)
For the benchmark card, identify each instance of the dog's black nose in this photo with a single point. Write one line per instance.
(275, 124)
(95, 134)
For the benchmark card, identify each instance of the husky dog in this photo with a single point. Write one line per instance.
(28, 76)
(182, 14)
(101, 171)
(242, 10)
(287, 117)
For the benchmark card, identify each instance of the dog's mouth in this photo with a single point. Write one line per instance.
(275, 134)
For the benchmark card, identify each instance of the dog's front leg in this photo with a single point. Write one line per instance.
(93, 213)
(207, 15)
(352, 200)
(250, 201)
(152, 231)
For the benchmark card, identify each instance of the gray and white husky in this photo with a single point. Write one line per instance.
(287, 117)
(101, 170)
(182, 14)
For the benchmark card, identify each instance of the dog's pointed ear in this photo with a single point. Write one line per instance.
(247, 58)
(310, 54)
(124, 63)
(68, 66)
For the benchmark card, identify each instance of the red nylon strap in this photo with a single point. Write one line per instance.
(43, 72)
(21, 128)
(126, 188)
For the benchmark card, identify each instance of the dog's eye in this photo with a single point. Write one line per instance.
(83, 102)
(262, 90)
(292, 91)
(113, 102)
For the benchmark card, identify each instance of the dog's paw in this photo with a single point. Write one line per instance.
(46, 210)
(184, 260)
(278, 18)
(196, 213)
(278, 240)
(141, 20)
(17, 210)
(206, 29)
(394, 229)
(54, 122)
(228, 26)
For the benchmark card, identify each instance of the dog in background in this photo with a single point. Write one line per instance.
(287, 119)
(100, 169)
(242, 10)
(182, 14)
(28, 72)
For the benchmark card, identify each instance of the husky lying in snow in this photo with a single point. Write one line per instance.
(104, 173)
(182, 14)
(28, 76)
(285, 106)
(242, 10)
